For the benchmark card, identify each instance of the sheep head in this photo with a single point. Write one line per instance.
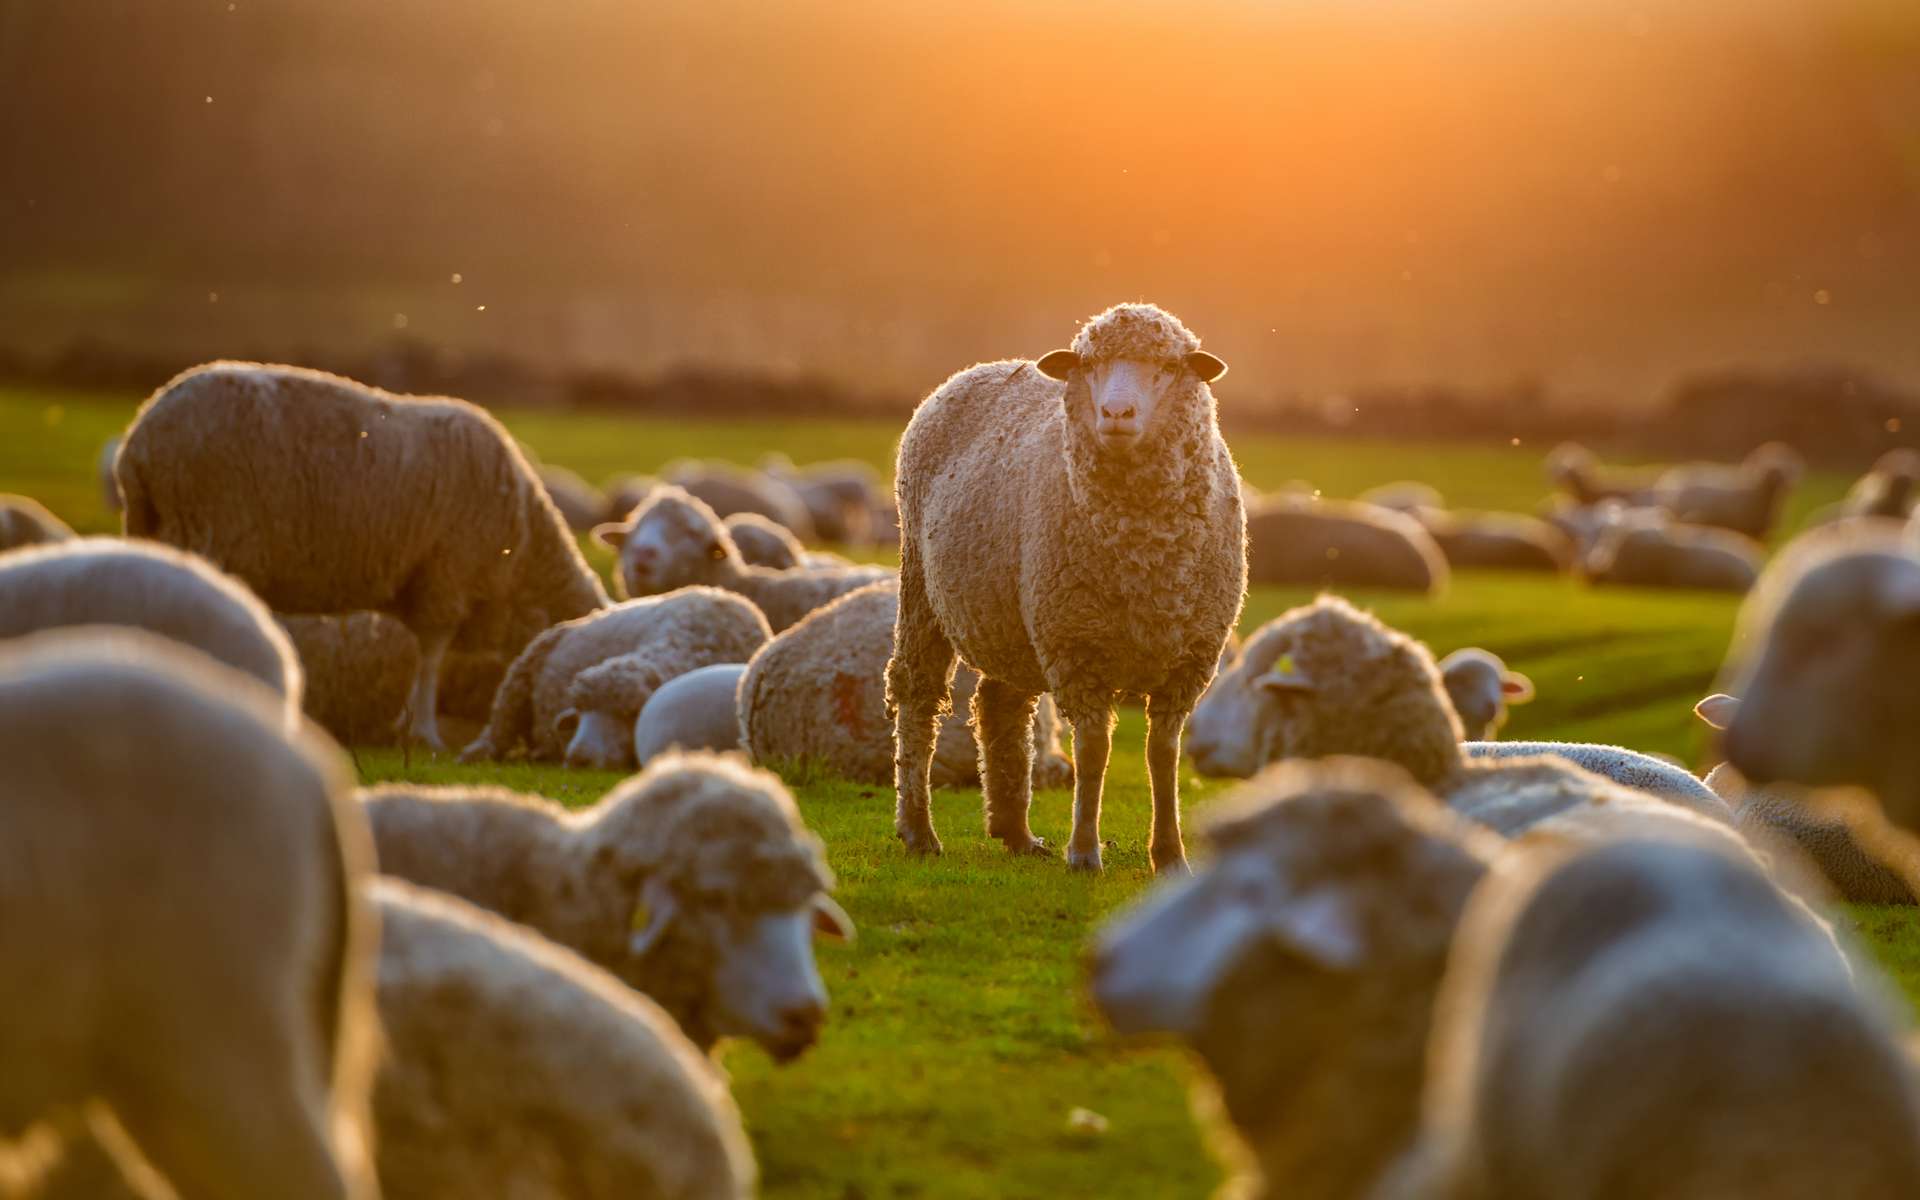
(670, 540)
(1128, 373)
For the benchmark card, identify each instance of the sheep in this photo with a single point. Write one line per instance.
(1404, 496)
(1888, 489)
(359, 667)
(1651, 551)
(1582, 524)
(574, 692)
(1326, 678)
(1302, 962)
(764, 542)
(1573, 469)
(1652, 1018)
(1477, 539)
(516, 1068)
(1480, 687)
(1304, 540)
(103, 467)
(817, 692)
(1745, 499)
(694, 882)
(328, 496)
(107, 581)
(728, 489)
(24, 521)
(1828, 670)
(1072, 526)
(695, 711)
(185, 947)
(581, 504)
(625, 492)
(674, 540)
(839, 496)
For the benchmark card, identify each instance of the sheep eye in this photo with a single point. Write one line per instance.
(716, 551)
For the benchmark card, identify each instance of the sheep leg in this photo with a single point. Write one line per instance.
(1003, 727)
(1092, 741)
(919, 693)
(423, 701)
(1164, 727)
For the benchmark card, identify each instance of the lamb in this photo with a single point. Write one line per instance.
(728, 489)
(518, 1069)
(695, 711)
(839, 496)
(1480, 687)
(574, 692)
(764, 542)
(106, 581)
(1651, 551)
(817, 693)
(1573, 469)
(326, 496)
(1705, 1038)
(1072, 526)
(1304, 540)
(1828, 670)
(359, 667)
(24, 521)
(1302, 962)
(581, 504)
(1326, 678)
(147, 786)
(1745, 499)
(674, 540)
(694, 882)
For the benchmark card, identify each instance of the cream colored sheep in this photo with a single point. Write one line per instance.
(1646, 550)
(696, 711)
(764, 542)
(1298, 539)
(1481, 686)
(1746, 498)
(730, 489)
(360, 667)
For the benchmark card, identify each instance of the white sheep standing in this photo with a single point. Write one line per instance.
(696, 711)
(1573, 468)
(25, 521)
(694, 881)
(1481, 686)
(1073, 526)
(147, 788)
(326, 496)
(817, 693)
(516, 1068)
(1644, 548)
(574, 692)
(674, 540)
(1745, 498)
(840, 496)
(108, 581)
(1649, 1018)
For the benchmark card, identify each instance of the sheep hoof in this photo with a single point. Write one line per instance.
(919, 842)
(1084, 860)
(1029, 845)
(477, 751)
(1173, 867)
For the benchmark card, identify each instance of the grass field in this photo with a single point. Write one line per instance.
(959, 1041)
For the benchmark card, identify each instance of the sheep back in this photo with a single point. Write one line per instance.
(1318, 543)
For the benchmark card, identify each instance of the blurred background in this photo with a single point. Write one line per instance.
(1475, 216)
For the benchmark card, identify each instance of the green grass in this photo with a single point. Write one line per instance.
(959, 1040)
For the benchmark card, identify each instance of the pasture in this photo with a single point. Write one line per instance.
(959, 1042)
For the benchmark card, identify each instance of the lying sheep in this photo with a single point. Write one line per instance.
(1574, 470)
(1305, 541)
(839, 496)
(1647, 551)
(1326, 678)
(575, 690)
(728, 489)
(581, 504)
(1403, 496)
(106, 581)
(326, 496)
(764, 542)
(24, 521)
(817, 693)
(1071, 526)
(148, 788)
(694, 881)
(359, 668)
(1302, 962)
(1478, 539)
(1745, 499)
(1705, 1038)
(674, 540)
(1480, 687)
(695, 711)
(1827, 669)
(515, 1068)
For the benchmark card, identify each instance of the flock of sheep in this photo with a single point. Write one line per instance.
(1417, 962)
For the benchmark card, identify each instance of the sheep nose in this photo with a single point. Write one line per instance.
(645, 556)
(798, 1026)
(1117, 413)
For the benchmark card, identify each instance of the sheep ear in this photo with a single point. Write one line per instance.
(565, 723)
(1285, 676)
(1516, 688)
(652, 916)
(1323, 927)
(830, 920)
(612, 534)
(1058, 364)
(1207, 366)
(1717, 710)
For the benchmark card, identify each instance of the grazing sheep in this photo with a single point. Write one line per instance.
(1827, 669)
(1745, 499)
(1481, 687)
(839, 496)
(696, 711)
(817, 692)
(1888, 490)
(581, 505)
(1573, 469)
(575, 690)
(360, 666)
(674, 540)
(1302, 961)
(1071, 526)
(1648, 1018)
(326, 496)
(515, 1068)
(178, 887)
(728, 489)
(1651, 551)
(694, 881)
(106, 581)
(1301, 540)
(764, 542)
(103, 466)
(24, 521)
(1326, 679)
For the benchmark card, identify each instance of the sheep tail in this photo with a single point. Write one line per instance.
(510, 721)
